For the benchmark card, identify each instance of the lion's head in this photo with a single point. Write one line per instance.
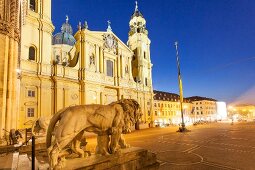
(132, 113)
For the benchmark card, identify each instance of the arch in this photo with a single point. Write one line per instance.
(32, 53)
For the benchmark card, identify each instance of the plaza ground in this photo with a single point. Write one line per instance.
(206, 147)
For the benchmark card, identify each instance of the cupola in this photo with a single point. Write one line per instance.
(65, 36)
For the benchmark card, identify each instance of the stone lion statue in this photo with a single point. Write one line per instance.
(41, 125)
(69, 124)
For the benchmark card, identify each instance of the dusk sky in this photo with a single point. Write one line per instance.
(216, 41)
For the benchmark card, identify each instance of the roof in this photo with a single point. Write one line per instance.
(199, 98)
(137, 14)
(166, 96)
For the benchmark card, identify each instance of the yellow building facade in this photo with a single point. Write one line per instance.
(167, 108)
(241, 111)
(203, 108)
(52, 72)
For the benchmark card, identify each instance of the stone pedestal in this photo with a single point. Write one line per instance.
(127, 159)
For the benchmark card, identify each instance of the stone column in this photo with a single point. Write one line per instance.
(97, 58)
(101, 61)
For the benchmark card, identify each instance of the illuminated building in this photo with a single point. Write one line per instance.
(221, 110)
(241, 111)
(203, 108)
(167, 108)
(45, 73)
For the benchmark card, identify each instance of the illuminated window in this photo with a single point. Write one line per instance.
(30, 112)
(109, 66)
(31, 54)
(31, 93)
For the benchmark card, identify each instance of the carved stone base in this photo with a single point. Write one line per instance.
(131, 158)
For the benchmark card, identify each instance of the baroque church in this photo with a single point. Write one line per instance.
(41, 73)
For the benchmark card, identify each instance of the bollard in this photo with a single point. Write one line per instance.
(33, 153)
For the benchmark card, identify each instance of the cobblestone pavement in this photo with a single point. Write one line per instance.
(211, 146)
(206, 147)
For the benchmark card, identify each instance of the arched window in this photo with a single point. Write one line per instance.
(32, 5)
(31, 55)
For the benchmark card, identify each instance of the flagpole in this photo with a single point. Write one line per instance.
(182, 128)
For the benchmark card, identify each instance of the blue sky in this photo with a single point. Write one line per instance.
(216, 41)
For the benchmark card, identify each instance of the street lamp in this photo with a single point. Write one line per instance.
(182, 128)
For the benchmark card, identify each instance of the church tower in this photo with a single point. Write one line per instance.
(139, 43)
(36, 93)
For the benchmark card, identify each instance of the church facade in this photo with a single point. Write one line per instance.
(42, 73)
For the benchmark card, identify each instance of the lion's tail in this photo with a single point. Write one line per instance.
(56, 117)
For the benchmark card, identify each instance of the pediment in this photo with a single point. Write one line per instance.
(107, 39)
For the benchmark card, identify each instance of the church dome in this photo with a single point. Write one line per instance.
(65, 36)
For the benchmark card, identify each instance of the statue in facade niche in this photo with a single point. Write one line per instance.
(108, 121)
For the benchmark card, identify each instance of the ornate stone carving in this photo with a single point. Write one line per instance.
(92, 59)
(74, 96)
(110, 42)
(9, 19)
(75, 120)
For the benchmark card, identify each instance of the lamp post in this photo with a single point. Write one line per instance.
(182, 128)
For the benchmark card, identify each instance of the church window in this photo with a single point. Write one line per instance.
(146, 82)
(31, 55)
(31, 93)
(156, 113)
(32, 5)
(144, 55)
(30, 112)
(138, 30)
(149, 113)
(109, 66)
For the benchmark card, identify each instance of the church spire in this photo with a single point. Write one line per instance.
(136, 6)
